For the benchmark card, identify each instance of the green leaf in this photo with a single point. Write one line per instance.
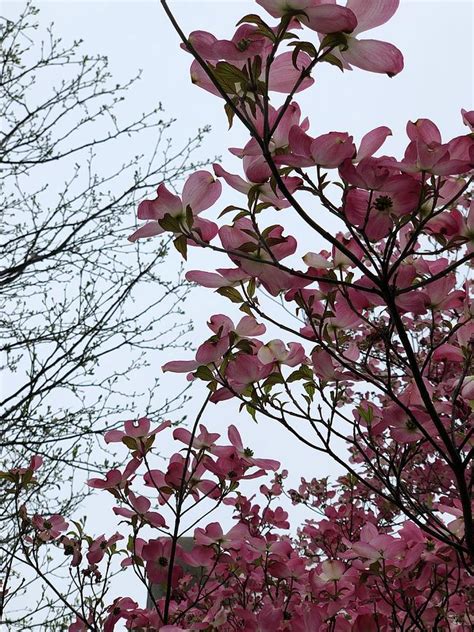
(204, 373)
(253, 194)
(251, 285)
(302, 373)
(333, 40)
(129, 442)
(334, 61)
(251, 411)
(261, 206)
(262, 27)
(301, 47)
(181, 245)
(367, 414)
(230, 113)
(229, 76)
(240, 215)
(231, 293)
(251, 18)
(245, 346)
(230, 208)
(249, 247)
(170, 223)
(272, 379)
(307, 47)
(310, 388)
(189, 217)
(245, 308)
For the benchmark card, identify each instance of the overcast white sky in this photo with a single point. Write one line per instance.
(435, 38)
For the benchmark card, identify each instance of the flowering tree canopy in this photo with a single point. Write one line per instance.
(375, 351)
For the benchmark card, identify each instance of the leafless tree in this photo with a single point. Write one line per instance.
(81, 309)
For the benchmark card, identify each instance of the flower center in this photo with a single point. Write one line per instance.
(383, 203)
(243, 44)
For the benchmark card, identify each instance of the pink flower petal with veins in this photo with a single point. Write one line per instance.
(372, 13)
(374, 56)
(329, 18)
(215, 280)
(200, 191)
(180, 366)
(148, 230)
(165, 202)
(136, 429)
(284, 75)
(372, 141)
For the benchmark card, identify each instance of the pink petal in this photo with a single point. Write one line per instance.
(256, 168)
(203, 43)
(137, 429)
(166, 202)
(204, 229)
(248, 326)
(283, 74)
(212, 352)
(448, 353)
(180, 366)
(141, 504)
(236, 182)
(468, 118)
(114, 436)
(423, 130)
(183, 435)
(330, 18)
(235, 438)
(200, 78)
(211, 279)
(374, 56)
(200, 191)
(372, 141)
(330, 150)
(372, 13)
(149, 229)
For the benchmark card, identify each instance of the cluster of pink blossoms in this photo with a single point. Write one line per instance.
(375, 353)
(346, 570)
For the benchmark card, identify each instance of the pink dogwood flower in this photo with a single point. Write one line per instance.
(318, 15)
(244, 454)
(203, 441)
(368, 54)
(246, 43)
(276, 351)
(222, 277)
(98, 547)
(118, 610)
(240, 236)
(328, 150)
(156, 553)
(140, 508)
(265, 191)
(115, 479)
(375, 212)
(426, 152)
(135, 430)
(282, 77)
(200, 191)
(255, 165)
(49, 528)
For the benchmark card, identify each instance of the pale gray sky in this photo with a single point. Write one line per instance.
(435, 38)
